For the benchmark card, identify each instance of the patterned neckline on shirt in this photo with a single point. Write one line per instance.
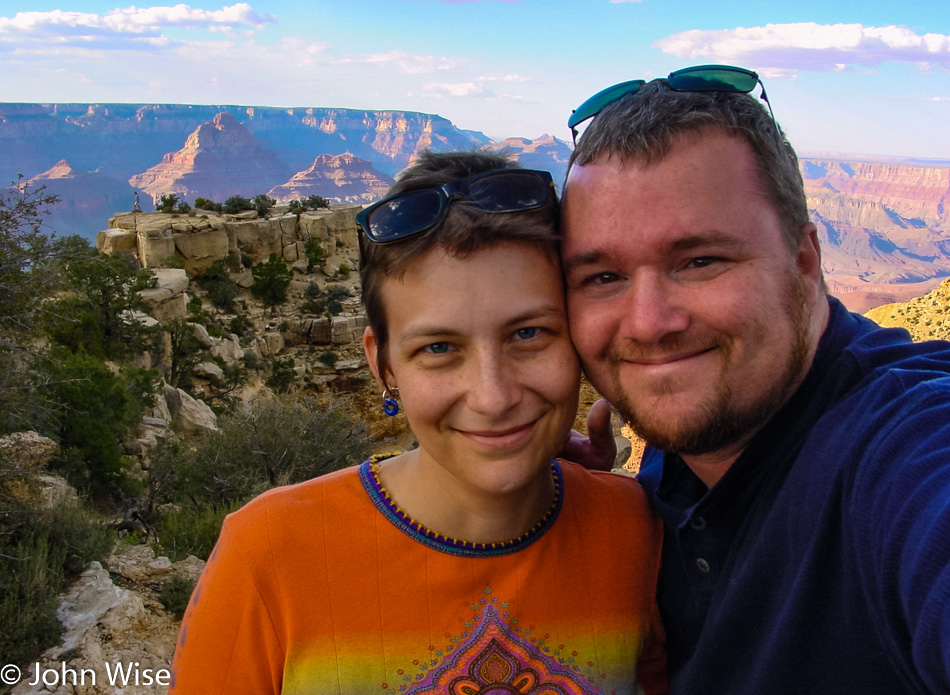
(369, 476)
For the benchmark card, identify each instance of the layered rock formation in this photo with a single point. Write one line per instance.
(220, 158)
(340, 178)
(546, 152)
(198, 241)
(884, 228)
(121, 140)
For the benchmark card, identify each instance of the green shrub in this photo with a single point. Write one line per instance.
(328, 358)
(220, 288)
(207, 204)
(271, 280)
(282, 374)
(193, 531)
(167, 202)
(98, 408)
(316, 256)
(263, 204)
(315, 201)
(39, 549)
(175, 594)
(239, 325)
(280, 441)
(236, 204)
(344, 270)
(253, 361)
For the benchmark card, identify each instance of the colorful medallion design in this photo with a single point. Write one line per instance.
(496, 661)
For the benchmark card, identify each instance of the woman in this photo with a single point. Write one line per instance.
(476, 563)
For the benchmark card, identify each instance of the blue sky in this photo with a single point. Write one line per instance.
(860, 78)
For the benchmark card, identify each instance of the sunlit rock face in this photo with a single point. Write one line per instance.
(340, 178)
(220, 159)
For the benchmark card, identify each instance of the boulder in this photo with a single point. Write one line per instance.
(228, 349)
(112, 241)
(25, 451)
(189, 414)
(201, 335)
(208, 370)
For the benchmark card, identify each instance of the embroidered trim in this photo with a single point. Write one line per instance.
(369, 476)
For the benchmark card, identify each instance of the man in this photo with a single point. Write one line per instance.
(799, 454)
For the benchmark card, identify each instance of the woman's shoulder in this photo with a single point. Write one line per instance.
(289, 506)
(601, 489)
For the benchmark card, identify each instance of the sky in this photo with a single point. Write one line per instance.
(868, 77)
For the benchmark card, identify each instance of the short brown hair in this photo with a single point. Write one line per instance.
(462, 232)
(642, 127)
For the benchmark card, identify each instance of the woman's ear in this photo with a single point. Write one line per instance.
(371, 348)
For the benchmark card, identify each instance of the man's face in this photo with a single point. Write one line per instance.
(688, 309)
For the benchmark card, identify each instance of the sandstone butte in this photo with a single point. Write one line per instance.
(341, 178)
(220, 159)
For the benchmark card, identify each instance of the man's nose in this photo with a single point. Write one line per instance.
(653, 308)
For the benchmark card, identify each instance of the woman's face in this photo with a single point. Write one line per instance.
(480, 351)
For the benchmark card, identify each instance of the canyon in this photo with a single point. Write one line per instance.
(883, 225)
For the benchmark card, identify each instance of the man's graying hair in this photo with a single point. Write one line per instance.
(642, 127)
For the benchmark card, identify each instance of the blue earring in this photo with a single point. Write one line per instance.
(390, 406)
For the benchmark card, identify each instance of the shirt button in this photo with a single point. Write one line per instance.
(698, 523)
(702, 565)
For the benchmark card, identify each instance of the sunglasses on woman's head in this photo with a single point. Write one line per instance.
(411, 212)
(701, 78)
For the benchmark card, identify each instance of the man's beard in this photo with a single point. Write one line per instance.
(720, 421)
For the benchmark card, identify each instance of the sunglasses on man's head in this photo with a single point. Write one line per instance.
(412, 212)
(701, 78)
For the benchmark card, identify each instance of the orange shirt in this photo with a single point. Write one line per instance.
(314, 589)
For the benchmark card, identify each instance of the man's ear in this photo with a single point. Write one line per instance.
(808, 261)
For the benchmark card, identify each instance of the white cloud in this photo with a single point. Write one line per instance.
(504, 78)
(459, 89)
(405, 61)
(123, 27)
(810, 46)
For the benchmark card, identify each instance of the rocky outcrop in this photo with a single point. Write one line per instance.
(167, 298)
(199, 240)
(925, 317)
(23, 452)
(340, 178)
(220, 159)
(108, 627)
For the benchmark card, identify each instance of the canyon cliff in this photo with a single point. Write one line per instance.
(884, 227)
(220, 158)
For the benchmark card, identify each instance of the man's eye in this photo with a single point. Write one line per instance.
(437, 348)
(603, 278)
(526, 333)
(702, 262)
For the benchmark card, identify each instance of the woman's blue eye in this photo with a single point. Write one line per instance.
(438, 348)
(526, 333)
